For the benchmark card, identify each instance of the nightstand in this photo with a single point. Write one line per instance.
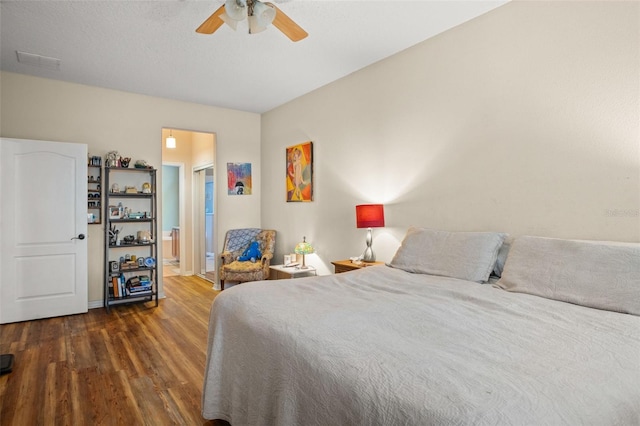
(346, 265)
(280, 272)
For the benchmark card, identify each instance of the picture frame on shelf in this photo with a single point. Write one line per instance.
(114, 212)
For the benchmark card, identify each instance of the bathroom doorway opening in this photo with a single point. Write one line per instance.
(172, 201)
(192, 242)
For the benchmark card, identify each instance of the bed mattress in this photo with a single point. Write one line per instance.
(380, 346)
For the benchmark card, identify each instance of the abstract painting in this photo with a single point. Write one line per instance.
(300, 172)
(239, 178)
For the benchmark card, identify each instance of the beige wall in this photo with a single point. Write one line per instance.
(202, 152)
(105, 120)
(524, 120)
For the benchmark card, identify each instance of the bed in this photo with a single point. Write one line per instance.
(449, 332)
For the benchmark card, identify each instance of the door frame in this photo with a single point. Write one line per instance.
(197, 220)
(181, 212)
(187, 182)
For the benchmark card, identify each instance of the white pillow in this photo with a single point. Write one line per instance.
(597, 274)
(468, 256)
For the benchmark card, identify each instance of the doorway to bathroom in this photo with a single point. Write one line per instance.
(189, 239)
(172, 181)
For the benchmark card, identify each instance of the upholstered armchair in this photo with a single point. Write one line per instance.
(236, 242)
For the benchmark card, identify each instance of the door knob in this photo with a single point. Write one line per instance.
(79, 237)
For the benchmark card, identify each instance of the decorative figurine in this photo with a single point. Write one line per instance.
(112, 159)
(113, 235)
(141, 164)
(124, 162)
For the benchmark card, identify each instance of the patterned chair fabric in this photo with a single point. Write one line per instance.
(235, 243)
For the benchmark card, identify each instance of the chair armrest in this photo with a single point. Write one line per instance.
(266, 259)
(227, 257)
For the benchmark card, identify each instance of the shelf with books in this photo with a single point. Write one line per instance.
(131, 253)
(122, 288)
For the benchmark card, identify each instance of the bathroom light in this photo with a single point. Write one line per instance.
(171, 141)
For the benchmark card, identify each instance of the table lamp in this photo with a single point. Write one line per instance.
(369, 216)
(303, 248)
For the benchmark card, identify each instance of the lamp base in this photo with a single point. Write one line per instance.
(368, 256)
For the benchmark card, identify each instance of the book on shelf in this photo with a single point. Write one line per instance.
(116, 284)
(140, 288)
(141, 293)
(122, 286)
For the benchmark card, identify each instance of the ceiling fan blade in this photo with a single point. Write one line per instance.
(287, 26)
(212, 23)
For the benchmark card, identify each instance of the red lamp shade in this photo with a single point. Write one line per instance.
(370, 215)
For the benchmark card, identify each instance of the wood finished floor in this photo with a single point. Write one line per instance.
(137, 365)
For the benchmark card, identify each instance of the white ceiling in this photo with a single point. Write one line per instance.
(151, 47)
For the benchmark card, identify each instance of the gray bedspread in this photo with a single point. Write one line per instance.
(381, 346)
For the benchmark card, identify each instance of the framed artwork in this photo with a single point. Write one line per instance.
(239, 178)
(114, 212)
(300, 172)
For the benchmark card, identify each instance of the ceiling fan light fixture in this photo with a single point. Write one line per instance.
(254, 26)
(236, 9)
(261, 14)
(264, 13)
(230, 22)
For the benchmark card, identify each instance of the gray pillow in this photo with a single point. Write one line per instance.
(468, 256)
(597, 274)
(502, 258)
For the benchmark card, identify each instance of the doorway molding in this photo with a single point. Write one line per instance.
(197, 239)
(195, 142)
(181, 211)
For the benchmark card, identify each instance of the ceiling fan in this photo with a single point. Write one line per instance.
(260, 15)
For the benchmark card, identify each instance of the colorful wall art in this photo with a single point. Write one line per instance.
(239, 178)
(300, 172)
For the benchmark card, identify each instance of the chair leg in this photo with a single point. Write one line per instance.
(221, 285)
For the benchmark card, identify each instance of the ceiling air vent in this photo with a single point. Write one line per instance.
(38, 60)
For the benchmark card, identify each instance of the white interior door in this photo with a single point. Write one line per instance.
(204, 244)
(43, 224)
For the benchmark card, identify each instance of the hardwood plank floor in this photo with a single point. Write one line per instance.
(136, 365)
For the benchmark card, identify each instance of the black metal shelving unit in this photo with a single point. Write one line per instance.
(122, 275)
